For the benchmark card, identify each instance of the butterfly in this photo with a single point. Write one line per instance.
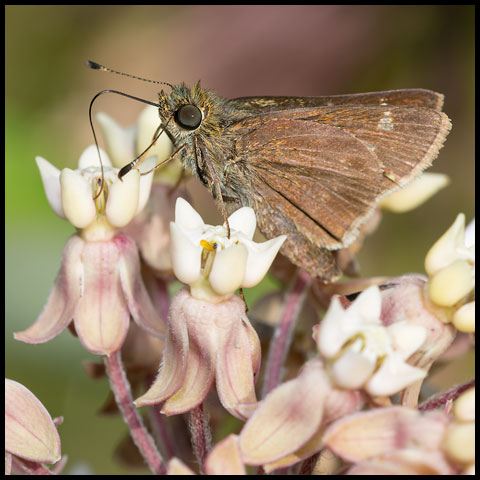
(312, 168)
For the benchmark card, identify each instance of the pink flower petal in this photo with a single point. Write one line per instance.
(367, 434)
(225, 458)
(139, 303)
(29, 429)
(342, 402)
(196, 385)
(177, 467)
(102, 317)
(313, 446)
(234, 372)
(63, 299)
(287, 418)
(255, 347)
(405, 462)
(338, 403)
(173, 369)
(203, 339)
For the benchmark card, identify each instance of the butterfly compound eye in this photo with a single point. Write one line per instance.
(188, 117)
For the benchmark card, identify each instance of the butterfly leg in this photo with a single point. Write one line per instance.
(214, 180)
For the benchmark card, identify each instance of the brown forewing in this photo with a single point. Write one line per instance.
(415, 97)
(405, 139)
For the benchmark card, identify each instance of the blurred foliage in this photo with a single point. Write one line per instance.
(236, 51)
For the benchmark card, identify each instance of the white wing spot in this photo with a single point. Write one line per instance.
(385, 123)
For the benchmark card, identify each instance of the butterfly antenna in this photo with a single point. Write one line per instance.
(133, 163)
(97, 66)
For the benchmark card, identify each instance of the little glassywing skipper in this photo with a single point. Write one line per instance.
(312, 168)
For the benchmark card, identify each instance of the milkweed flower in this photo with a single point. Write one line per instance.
(213, 264)
(71, 195)
(357, 353)
(99, 284)
(209, 335)
(30, 432)
(362, 352)
(450, 265)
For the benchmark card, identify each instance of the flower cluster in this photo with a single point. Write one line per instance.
(209, 334)
(349, 402)
(357, 355)
(99, 285)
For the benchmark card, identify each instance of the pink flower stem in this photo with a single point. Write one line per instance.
(123, 397)
(282, 337)
(162, 434)
(200, 434)
(439, 401)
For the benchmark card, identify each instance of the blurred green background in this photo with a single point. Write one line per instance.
(236, 51)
